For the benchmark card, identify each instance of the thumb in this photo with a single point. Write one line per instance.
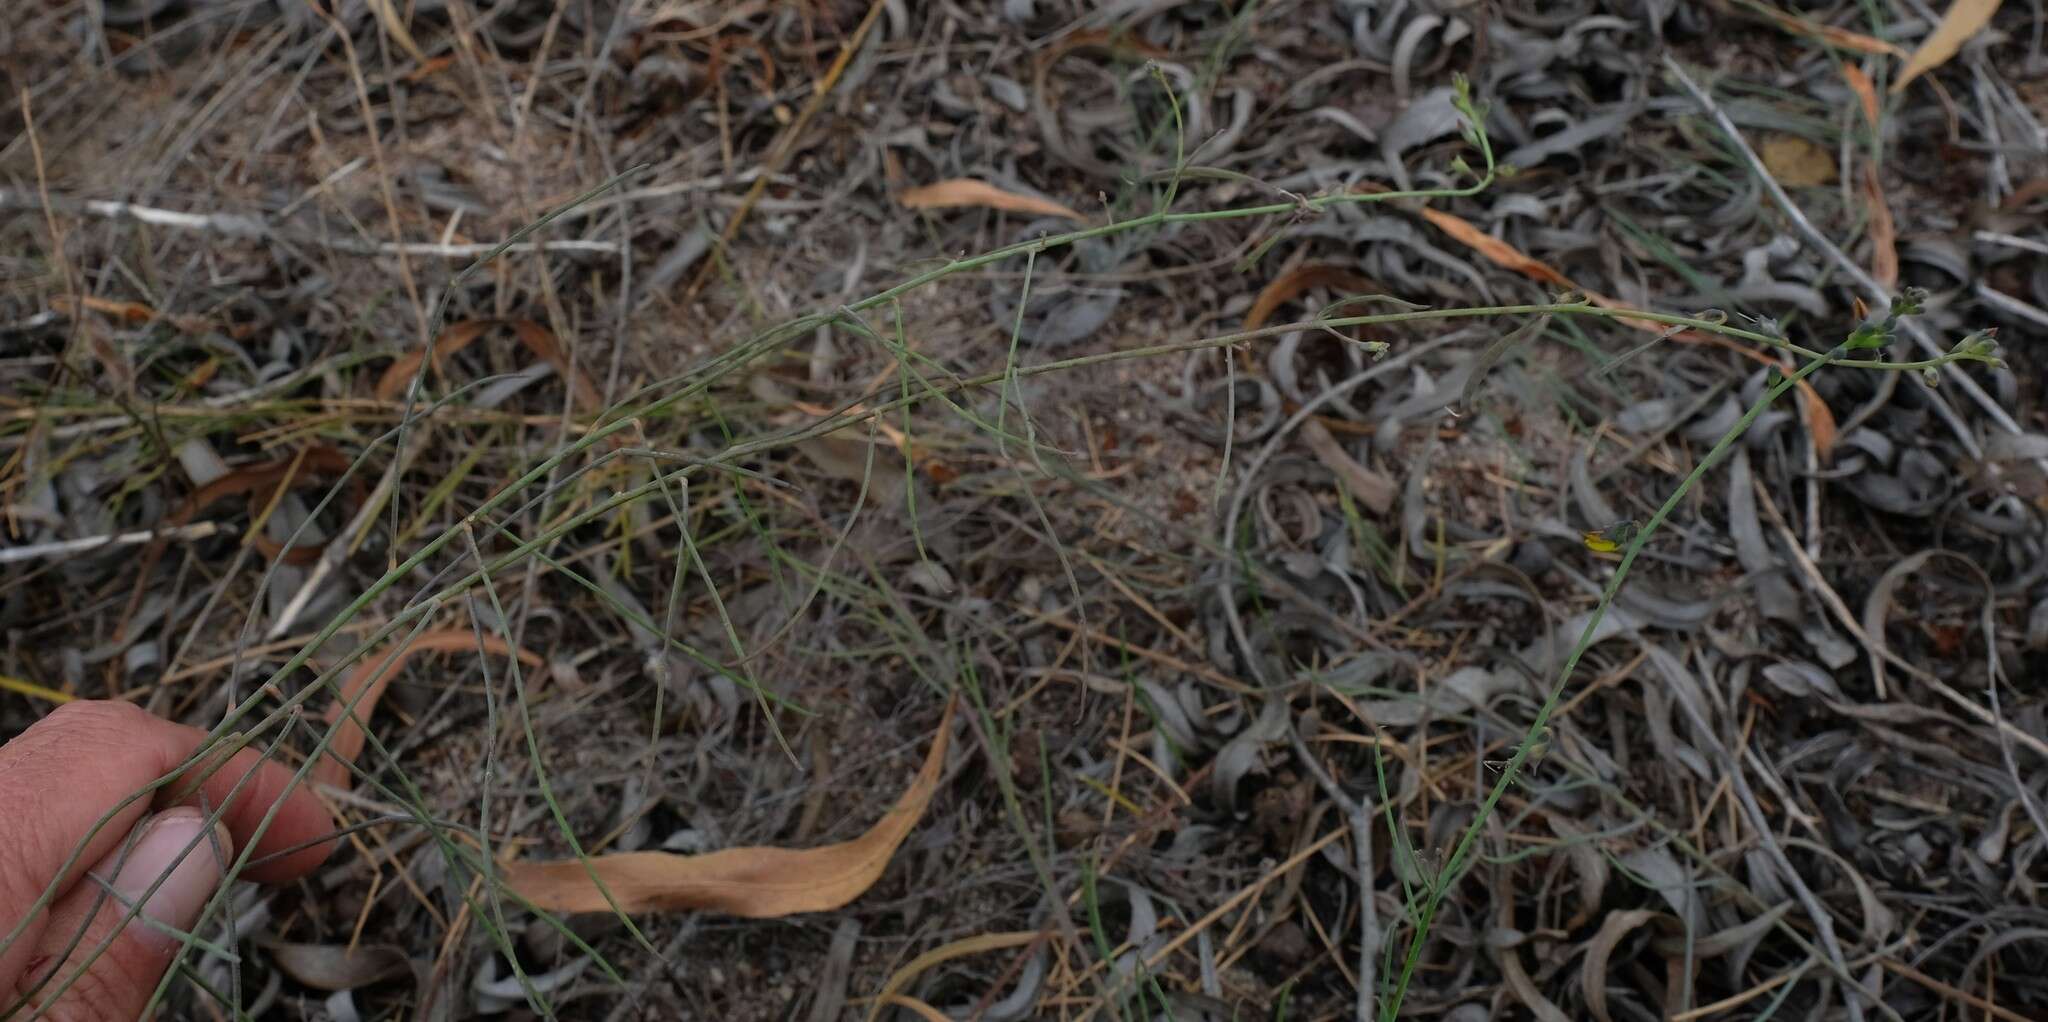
(113, 968)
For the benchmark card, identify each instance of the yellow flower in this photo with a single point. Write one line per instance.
(1611, 538)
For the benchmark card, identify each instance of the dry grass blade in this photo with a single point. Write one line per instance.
(31, 690)
(965, 191)
(366, 684)
(1964, 19)
(754, 883)
(394, 26)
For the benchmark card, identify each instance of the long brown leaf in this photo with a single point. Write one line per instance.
(1297, 282)
(1593, 971)
(1963, 20)
(1884, 233)
(754, 883)
(1839, 37)
(965, 191)
(900, 979)
(1370, 488)
(372, 676)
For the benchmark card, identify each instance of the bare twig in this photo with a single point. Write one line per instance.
(239, 225)
(87, 544)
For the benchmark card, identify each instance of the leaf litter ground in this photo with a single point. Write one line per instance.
(1222, 624)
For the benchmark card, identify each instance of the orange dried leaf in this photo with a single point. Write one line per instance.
(965, 191)
(1500, 252)
(1840, 38)
(754, 883)
(1964, 19)
(432, 67)
(1884, 235)
(126, 312)
(1860, 84)
(1297, 282)
(366, 685)
(1820, 421)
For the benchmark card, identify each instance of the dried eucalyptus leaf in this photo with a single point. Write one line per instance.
(336, 966)
(1600, 949)
(1774, 593)
(1657, 869)
(1370, 488)
(1646, 416)
(1740, 937)
(1801, 680)
(1240, 755)
(1588, 864)
(2015, 447)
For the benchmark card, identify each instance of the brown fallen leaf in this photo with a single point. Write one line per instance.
(1796, 162)
(753, 883)
(537, 339)
(1593, 971)
(1499, 252)
(979, 944)
(260, 483)
(1884, 234)
(1297, 282)
(1964, 19)
(337, 966)
(1820, 420)
(372, 676)
(965, 191)
(1841, 38)
(129, 313)
(849, 458)
(1368, 487)
(1865, 91)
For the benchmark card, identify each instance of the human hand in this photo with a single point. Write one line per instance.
(56, 780)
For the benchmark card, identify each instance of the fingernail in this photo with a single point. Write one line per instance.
(189, 877)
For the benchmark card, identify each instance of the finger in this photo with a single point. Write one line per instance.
(122, 950)
(67, 770)
(16, 955)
